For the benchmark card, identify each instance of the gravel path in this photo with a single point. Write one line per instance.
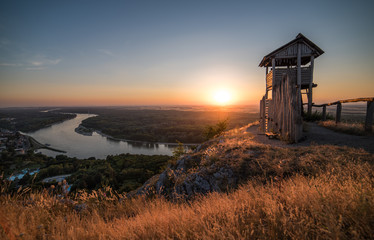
(317, 135)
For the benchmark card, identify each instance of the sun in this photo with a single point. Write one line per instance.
(222, 97)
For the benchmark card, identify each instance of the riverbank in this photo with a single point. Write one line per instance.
(83, 130)
(37, 145)
(143, 142)
(65, 136)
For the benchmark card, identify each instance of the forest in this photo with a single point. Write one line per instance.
(30, 119)
(160, 125)
(124, 172)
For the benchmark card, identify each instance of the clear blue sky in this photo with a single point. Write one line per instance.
(174, 52)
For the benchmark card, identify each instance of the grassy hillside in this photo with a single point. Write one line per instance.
(316, 192)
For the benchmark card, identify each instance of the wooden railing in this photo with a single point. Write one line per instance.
(369, 110)
(279, 72)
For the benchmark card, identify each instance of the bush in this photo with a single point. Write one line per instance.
(178, 151)
(316, 116)
(212, 131)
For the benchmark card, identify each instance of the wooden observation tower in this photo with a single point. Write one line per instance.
(290, 76)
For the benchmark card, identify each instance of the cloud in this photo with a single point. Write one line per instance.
(106, 52)
(44, 62)
(10, 64)
(35, 68)
(38, 63)
(35, 63)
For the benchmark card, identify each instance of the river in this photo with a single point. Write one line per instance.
(63, 136)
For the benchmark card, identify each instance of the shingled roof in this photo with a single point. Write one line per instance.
(291, 59)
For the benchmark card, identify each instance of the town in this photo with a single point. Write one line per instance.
(14, 142)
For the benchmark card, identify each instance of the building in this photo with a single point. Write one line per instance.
(294, 60)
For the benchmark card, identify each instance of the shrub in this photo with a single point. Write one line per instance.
(316, 116)
(212, 131)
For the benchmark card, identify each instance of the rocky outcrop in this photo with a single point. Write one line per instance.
(215, 166)
(185, 181)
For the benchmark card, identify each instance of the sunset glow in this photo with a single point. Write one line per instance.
(130, 54)
(222, 97)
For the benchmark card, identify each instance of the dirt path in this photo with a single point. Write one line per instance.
(317, 135)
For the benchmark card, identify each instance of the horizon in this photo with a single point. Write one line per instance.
(168, 54)
(191, 107)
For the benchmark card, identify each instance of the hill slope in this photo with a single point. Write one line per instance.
(249, 191)
(230, 160)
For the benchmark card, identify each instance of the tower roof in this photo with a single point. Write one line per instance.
(287, 54)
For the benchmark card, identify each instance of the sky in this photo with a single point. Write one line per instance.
(101, 53)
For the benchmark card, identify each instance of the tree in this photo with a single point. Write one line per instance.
(178, 151)
(217, 129)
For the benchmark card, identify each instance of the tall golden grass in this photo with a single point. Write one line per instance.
(350, 128)
(335, 202)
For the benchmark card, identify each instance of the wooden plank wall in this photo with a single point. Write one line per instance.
(306, 75)
(285, 111)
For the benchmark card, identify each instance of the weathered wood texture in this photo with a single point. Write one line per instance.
(324, 113)
(369, 116)
(269, 80)
(368, 99)
(285, 114)
(268, 110)
(291, 51)
(310, 89)
(262, 113)
(338, 112)
(287, 54)
(369, 110)
(306, 76)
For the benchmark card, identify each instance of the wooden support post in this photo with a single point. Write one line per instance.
(298, 80)
(338, 112)
(262, 113)
(273, 69)
(310, 94)
(369, 116)
(324, 113)
(273, 81)
(299, 66)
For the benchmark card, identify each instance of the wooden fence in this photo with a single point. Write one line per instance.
(285, 109)
(369, 110)
(281, 115)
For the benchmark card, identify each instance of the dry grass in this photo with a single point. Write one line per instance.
(330, 206)
(350, 128)
(329, 195)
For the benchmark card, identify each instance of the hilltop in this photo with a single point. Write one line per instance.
(239, 155)
(228, 187)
